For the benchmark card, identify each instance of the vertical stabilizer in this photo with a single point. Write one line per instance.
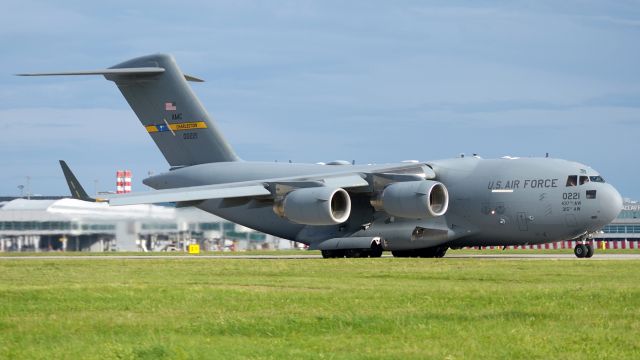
(158, 93)
(171, 113)
(77, 191)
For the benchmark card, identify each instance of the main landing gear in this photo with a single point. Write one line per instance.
(584, 250)
(374, 252)
(432, 252)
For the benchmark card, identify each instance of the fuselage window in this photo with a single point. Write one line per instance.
(572, 180)
(597, 178)
(591, 194)
(584, 179)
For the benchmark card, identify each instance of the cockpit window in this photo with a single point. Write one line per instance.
(584, 179)
(572, 180)
(597, 178)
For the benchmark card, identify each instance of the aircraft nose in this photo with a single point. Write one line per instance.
(610, 203)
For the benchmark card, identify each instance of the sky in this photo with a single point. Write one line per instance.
(312, 81)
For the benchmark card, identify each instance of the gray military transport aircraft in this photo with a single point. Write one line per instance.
(411, 209)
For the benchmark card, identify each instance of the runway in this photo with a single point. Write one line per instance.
(596, 257)
(634, 256)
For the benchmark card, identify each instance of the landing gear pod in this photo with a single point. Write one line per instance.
(315, 206)
(413, 199)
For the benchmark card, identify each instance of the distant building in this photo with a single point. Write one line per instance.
(626, 227)
(64, 224)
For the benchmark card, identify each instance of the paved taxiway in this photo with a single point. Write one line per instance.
(634, 256)
(596, 256)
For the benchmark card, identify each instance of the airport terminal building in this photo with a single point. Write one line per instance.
(626, 227)
(64, 224)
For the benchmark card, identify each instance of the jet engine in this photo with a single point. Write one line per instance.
(413, 199)
(315, 206)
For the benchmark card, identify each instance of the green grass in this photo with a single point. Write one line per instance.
(316, 308)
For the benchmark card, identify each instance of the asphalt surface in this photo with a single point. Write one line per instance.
(597, 256)
(544, 256)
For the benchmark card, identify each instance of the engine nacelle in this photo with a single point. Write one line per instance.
(413, 199)
(315, 206)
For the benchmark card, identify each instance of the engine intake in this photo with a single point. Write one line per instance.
(315, 206)
(413, 199)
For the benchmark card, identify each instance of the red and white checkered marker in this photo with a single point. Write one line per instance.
(123, 181)
(615, 244)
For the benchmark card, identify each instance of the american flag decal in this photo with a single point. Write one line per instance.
(170, 106)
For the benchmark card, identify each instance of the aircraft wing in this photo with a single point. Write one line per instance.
(227, 190)
(191, 193)
(257, 188)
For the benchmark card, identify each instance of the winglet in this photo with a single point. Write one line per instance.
(77, 191)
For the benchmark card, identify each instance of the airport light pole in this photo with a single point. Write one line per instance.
(28, 187)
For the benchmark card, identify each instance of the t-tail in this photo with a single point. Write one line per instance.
(167, 107)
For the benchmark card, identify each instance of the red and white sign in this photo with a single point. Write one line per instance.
(123, 181)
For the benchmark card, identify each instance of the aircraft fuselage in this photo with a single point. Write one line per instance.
(491, 202)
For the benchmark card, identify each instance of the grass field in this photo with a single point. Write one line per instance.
(317, 308)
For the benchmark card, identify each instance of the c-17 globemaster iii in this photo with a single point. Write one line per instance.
(411, 209)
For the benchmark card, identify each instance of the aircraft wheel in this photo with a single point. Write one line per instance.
(441, 251)
(376, 251)
(400, 254)
(580, 250)
(327, 254)
(427, 252)
(353, 253)
(590, 251)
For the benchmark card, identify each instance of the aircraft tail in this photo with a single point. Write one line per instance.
(158, 93)
(76, 189)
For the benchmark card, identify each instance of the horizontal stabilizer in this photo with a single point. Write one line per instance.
(192, 78)
(120, 71)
